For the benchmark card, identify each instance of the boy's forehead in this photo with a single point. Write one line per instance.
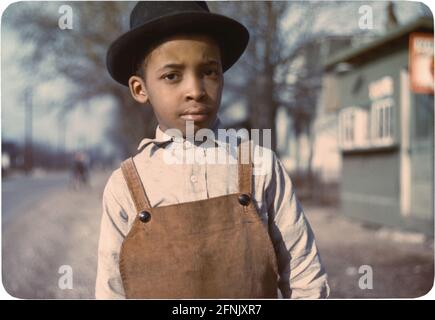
(183, 49)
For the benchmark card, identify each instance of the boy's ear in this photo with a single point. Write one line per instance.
(137, 89)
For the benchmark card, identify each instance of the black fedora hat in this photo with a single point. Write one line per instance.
(151, 21)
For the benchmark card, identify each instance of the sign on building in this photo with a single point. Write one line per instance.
(421, 62)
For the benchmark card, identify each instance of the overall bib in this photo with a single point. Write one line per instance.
(212, 248)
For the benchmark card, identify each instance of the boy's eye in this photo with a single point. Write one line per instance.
(209, 72)
(171, 76)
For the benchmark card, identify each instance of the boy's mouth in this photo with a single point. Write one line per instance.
(195, 117)
(199, 114)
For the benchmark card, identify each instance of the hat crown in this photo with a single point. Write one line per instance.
(145, 11)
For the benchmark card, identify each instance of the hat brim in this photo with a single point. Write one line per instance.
(232, 38)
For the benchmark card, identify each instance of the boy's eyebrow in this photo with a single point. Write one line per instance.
(181, 66)
(211, 61)
(172, 65)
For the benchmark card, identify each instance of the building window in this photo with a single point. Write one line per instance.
(347, 123)
(382, 122)
(353, 128)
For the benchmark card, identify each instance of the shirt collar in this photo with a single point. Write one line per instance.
(161, 137)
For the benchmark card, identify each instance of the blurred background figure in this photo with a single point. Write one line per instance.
(80, 170)
(6, 164)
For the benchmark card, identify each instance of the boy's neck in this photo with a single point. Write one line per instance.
(160, 134)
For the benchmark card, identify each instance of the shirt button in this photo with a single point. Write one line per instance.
(188, 144)
(144, 216)
(244, 199)
(193, 179)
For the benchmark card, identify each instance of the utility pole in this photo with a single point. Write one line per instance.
(61, 147)
(28, 127)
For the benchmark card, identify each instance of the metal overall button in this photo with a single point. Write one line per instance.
(144, 216)
(244, 199)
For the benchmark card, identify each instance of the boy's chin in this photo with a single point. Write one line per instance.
(196, 125)
(189, 127)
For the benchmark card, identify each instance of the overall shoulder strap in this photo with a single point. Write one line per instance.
(135, 186)
(245, 167)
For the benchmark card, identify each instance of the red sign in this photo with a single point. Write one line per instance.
(421, 62)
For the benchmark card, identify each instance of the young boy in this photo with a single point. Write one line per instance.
(189, 229)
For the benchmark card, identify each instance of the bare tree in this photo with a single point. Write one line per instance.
(269, 60)
(78, 55)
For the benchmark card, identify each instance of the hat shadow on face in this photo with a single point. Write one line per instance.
(143, 54)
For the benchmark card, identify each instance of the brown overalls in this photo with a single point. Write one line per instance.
(212, 248)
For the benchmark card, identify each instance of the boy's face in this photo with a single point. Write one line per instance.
(183, 82)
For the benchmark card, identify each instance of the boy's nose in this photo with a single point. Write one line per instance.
(195, 88)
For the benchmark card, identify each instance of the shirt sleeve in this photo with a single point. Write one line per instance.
(301, 273)
(112, 233)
